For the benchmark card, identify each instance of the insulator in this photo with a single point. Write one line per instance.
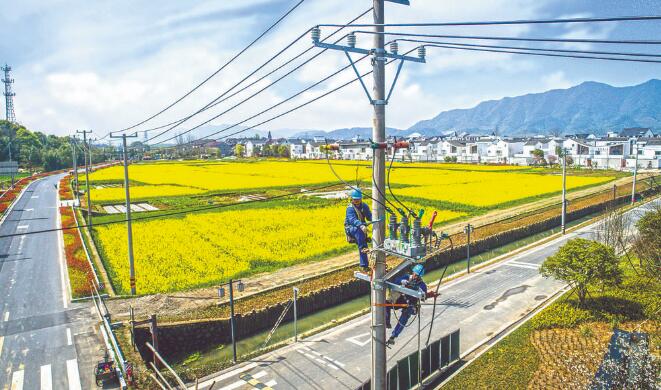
(422, 52)
(417, 232)
(404, 229)
(394, 47)
(351, 40)
(392, 226)
(315, 33)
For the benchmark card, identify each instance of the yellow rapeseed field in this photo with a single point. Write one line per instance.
(472, 185)
(201, 249)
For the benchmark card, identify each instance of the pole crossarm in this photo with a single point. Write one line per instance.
(378, 55)
(392, 286)
(385, 54)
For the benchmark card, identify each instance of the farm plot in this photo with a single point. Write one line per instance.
(201, 249)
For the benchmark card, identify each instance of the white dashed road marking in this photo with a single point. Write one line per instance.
(46, 378)
(5, 318)
(22, 226)
(73, 375)
(17, 380)
(69, 339)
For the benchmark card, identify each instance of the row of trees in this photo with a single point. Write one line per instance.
(35, 150)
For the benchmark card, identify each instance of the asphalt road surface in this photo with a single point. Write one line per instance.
(46, 342)
(480, 305)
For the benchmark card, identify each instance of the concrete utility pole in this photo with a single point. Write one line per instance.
(468, 229)
(129, 230)
(379, 358)
(378, 99)
(75, 167)
(87, 175)
(635, 174)
(564, 190)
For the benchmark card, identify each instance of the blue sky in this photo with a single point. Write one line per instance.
(104, 65)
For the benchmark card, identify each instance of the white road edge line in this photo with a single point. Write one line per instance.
(72, 374)
(46, 377)
(17, 380)
(5, 318)
(2, 341)
(524, 263)
(69, 339)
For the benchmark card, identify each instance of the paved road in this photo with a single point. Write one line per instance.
(480, 305)
(46, 342)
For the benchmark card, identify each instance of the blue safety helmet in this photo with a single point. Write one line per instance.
(356, 194)
(419, 270)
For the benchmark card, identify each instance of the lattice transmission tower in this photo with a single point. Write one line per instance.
(9, 95)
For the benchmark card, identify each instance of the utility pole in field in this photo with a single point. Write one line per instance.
(129, 229)
(75, 167)
(87, 174)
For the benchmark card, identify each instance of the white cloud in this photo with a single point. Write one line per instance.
(105, 73)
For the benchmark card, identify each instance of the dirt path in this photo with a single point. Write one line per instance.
(178, 303)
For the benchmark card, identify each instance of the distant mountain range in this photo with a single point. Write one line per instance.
(588, 107)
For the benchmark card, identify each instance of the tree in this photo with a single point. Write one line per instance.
(283, 151)
(583, 263)
(647, 244)
(538, 154)
(239, 150)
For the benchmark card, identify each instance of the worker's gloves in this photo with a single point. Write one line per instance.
(404, 283)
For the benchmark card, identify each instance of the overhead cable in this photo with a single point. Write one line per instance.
(226, 64)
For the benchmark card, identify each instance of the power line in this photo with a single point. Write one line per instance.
(290, 110)
(496, 38)
(271, 107)
(507, 22)
(632, 54)
(223, 98)
(546, 54)
(260, 36)
(180, 212)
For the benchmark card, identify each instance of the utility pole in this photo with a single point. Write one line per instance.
(563, 218)
(129, 229)
(10, 115)
(75, 167)
(12, 173)
(468, 229)
(379, 358)
(295, 315)
(635, 174)
(378, 99)
(87, 175)
(221, 293)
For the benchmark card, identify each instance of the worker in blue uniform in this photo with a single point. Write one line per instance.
(356, 221)
(406, 303)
